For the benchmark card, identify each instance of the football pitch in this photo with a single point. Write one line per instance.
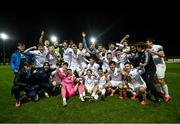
(112, 110)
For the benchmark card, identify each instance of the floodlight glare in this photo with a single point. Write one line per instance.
(53, 38)
(93, 40)
(3, 36)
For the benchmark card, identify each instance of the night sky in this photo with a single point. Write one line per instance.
(107, 22)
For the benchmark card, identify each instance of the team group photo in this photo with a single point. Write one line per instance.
(103, 64)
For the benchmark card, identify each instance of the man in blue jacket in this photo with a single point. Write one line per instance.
(19, 57)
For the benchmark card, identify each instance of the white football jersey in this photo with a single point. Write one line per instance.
(39, 58)
(94, 68)
(105, 64)
(67, 55)
(90, 81)
(115, 75)
(156, 58)
(74, 61)
(82, 61)
(52, 60)
(135, 75)
(102, 80)
(123, 59)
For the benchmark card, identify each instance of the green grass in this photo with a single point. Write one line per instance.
(111, 110)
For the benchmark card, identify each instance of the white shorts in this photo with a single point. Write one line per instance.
(89, 88)
(160, 71)
(101, 86)
(135, 87)
(115, 83)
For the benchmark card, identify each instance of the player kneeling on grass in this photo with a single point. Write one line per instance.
(42, 78)
(68, 89)
(101, 81)
(135, 81)
(90, 84)
(114, 76)
(23, 82)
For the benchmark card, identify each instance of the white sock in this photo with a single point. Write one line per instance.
(96, 97)
(81, 95)
(165, 88)
(103, 91)
(84, 94)
(64, 99)
(93, 94)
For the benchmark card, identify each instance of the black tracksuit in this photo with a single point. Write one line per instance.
(23, 82)
(150, 71)
(42, 78)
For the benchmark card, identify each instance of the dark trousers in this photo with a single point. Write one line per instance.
(47, 86)
(148, 77)
(17, 89)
